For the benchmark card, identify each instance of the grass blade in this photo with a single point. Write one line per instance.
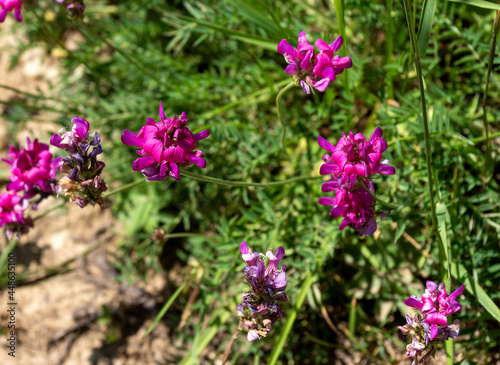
(290, 319)
(165, 308)
(479, 3)
(459, 272)
(424, 30)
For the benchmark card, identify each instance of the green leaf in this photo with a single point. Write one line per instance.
(459, 272)
(399, 231)
(424, 30)
(443, 218)
(479, 3)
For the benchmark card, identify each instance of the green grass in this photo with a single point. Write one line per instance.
(218, 62)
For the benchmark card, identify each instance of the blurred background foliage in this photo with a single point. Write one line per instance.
(217, 60)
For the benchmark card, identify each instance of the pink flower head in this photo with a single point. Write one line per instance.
(310, 68)
(356, 207)
(165, 146)
(12, 207)
(32, 168)
(354, 157)
(9, 5)
(436, 305)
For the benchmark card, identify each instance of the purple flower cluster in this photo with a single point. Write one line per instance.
(9, 5)
(266, 280)
(311, 69)
(83, 183)
(431, 324)
(75, 8)
(353, 162)
(165, 146)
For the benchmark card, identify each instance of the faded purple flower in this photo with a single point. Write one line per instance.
(266, 280)
(83, 183)
(165, 146)
(12, 208)
(9, 5)
(312, 69)
(32, 169)
(75, 7)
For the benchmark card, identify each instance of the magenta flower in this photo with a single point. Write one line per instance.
(431, 325)
(32, 169)
(356, 207)
(9, 5)
(266, 280)
(165, 146)
(12, 207)
(311, 69)
(436, 305)
(354, 157)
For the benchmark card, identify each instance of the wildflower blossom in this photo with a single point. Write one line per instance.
(311, 69)
(356, 207)
(267, 281)
(431, 325)
(12, 208)
(165, 146)
(83, 183)
(351, 164)
(354, 157)
(9, 5)
(32, 169)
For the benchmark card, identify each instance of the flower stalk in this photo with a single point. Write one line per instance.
(244, 183)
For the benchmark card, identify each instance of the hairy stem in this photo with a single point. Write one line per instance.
(244, 183)
(225, 357)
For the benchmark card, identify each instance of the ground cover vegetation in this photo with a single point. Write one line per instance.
(405, 103)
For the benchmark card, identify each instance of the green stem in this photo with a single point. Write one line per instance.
(244, 183)
(124, 187)
(280, 107)
(428, 161)
(496, 26)
(55, 207)
(339, 9)
(390, 85)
